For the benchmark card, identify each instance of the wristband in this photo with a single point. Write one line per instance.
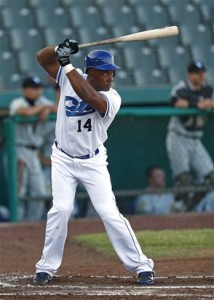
(68, 68)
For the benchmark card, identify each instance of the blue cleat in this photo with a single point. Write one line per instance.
(42, 278)
(146, 278)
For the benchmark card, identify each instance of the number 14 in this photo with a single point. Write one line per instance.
(87, 125)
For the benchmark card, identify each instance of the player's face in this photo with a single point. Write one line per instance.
(157, 179)
(197, 79)
(101, 80)
(32, 93)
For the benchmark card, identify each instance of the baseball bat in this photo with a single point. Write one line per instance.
(139, 36)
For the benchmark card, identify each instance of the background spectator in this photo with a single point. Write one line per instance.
(156, 200)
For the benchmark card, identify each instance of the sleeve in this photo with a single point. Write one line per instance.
(176, 93)
(60, 77)
(113, 103)
(15, 106)
(182, 91)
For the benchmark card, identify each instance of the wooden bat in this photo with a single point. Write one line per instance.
(139, 36)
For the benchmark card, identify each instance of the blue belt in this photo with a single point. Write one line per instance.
(79, 157)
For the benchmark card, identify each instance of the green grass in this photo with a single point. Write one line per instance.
(160, 244)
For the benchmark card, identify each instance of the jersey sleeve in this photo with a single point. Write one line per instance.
(179, 91)
(15, 106)
(60, 77)
(113, 100)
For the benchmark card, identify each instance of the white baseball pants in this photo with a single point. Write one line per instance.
(93, 174)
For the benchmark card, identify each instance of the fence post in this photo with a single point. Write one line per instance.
(9, 131)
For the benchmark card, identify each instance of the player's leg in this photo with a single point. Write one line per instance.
(36, 207)
(178, 150)
(202, 163)
(97, 182)
(63, 189)
(22, 175)
(203, 166)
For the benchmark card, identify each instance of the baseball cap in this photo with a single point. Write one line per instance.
(33, 81)
(196, 66)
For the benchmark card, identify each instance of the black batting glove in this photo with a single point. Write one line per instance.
(64, 50)
(63, 56)
(71, 44)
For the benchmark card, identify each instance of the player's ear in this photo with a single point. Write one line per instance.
(91, 74)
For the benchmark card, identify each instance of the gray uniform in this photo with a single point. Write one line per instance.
(29, 138)
(185, 149)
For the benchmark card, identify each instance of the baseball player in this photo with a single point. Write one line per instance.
(29, 138)
(86, 108)
(185, 149)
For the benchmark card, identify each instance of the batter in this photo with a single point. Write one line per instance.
(86, 109)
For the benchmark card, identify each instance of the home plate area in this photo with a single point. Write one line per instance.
(17, 286)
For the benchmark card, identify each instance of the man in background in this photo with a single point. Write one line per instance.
(156, 201)
(190, 161)
(29, 139)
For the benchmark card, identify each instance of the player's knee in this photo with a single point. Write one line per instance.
(183, 180)
(63, 211)
(209, 179)
(105, 214)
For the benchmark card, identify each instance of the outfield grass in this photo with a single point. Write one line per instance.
(160, 244)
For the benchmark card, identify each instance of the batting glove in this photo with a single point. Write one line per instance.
(73, 45)
(64, 50)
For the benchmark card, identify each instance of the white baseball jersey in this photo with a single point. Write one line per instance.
(80, 130)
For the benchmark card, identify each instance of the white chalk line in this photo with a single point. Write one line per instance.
(17, 276)
(11, 281)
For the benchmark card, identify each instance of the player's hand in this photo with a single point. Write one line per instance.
(206, 104)
(64, 50)
(44, 113)
(71, 44)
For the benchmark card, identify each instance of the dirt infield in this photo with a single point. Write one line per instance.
(86, 275)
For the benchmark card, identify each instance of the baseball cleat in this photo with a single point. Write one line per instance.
(146, 277)
(42, 278)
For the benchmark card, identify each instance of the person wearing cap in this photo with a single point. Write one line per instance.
(87, 106)
(29, 139)
(187, 154)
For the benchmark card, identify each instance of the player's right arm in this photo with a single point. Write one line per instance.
(48, 60)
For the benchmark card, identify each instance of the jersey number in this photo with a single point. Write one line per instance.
(87, 125)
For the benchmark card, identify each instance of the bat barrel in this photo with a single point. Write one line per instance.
(139, 36)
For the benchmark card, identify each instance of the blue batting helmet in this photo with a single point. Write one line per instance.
(100, 60)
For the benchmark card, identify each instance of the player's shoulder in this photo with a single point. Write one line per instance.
(20, 100)
(112, 92)
(181, 85)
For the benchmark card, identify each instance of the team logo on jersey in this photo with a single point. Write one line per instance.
(76, 107)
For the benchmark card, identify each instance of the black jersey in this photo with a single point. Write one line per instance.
(185, 91)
